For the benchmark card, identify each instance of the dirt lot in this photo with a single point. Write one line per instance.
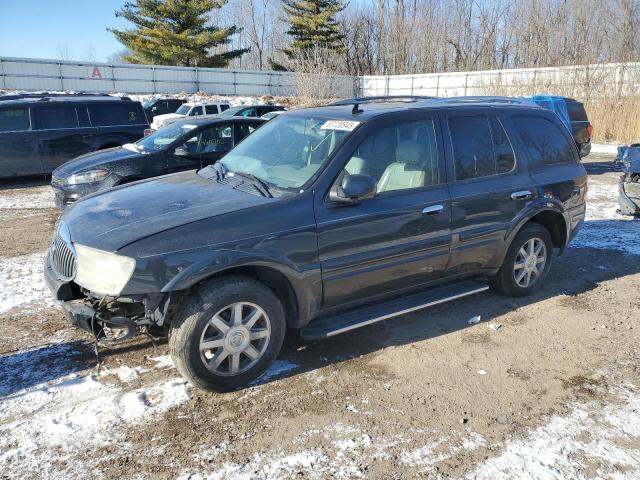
(542, 387)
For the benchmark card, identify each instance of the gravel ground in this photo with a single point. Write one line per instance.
(545, 387)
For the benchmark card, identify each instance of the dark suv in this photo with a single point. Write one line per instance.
(160, 106)
(37, 134)
(323, 220)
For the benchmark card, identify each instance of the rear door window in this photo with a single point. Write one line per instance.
(14, 120)
(104, 115)
(224, 107)
(481, 147)
(545, 142)
(52, 118)
(212, 109)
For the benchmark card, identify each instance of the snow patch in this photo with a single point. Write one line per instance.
(22, 282)
(277, 368)
(33, 197)
(604, 228)
(605, 148)
(74, 413)
(567, 444)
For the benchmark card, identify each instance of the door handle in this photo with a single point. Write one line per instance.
(521, 195)
(432, 210)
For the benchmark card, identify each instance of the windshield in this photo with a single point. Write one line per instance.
(232, 111)
(147, 103)
(183, 110)
(288, 151)
(160, 139)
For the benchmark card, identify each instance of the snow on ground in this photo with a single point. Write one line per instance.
(34, 197)
(604, 228)
(566, 445)
(605, 148)
(22, 283)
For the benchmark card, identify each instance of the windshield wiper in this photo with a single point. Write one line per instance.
(260, 184)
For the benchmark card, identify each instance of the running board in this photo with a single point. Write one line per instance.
(343, 322)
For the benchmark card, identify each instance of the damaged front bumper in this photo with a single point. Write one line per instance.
(100, 316)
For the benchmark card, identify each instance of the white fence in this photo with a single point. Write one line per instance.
(37, 74)
(578, 81)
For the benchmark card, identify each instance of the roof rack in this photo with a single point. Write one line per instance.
(384, 98)
(491, 99)
(45, 96)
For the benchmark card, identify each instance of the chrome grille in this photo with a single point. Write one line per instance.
(63, 259)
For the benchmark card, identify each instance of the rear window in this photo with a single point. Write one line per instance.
(103, 115)
(544, 141)
(577, 112)
(481, 147)
(224, 107)
(14, 120)
(53, 118)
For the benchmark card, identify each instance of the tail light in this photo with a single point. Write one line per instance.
(590, 130)
(148, 131)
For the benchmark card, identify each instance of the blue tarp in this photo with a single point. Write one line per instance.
(555, 104)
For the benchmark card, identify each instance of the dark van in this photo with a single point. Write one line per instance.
(38, 134)
(160, 106)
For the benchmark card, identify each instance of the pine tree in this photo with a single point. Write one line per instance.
(313, 25)
(175, 32)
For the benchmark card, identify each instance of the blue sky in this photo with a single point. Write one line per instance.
(42, 28)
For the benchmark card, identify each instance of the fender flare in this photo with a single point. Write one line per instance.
(223, 260)
(531, 210)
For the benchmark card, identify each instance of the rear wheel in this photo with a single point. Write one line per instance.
(227, 333)
(526, 264)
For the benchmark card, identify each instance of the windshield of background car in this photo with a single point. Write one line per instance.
(147, 103)
(289, 150)
(183, 109)
(160, 139)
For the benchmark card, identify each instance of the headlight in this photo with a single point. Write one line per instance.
(87, 177)
(102, 272)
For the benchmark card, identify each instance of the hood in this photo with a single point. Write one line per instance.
(166, 116)
(114, 218)
(93, 160)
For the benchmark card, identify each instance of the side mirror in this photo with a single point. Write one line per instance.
(154, 109)
(181, 152)
(353, 189)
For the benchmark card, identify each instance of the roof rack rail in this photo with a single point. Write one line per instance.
(384, 98)
(48, 96)
(491, 99)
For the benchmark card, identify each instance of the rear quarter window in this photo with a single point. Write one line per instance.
(545, 142)
(577, 113)
(14, 120)
(104, 115)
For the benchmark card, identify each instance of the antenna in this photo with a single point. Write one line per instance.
(355, 109)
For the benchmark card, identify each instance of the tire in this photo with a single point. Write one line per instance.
(230, 363)
(508, 280)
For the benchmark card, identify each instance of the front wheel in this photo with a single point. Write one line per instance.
(526, 263)
(227, 333)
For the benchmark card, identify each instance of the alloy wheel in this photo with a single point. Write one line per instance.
(235, 338)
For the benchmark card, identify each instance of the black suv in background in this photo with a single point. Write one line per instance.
(183, 145)
(573, 115)
(323, 220)
(160, 106)
(38, 134)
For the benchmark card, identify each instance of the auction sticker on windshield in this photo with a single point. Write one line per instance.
(346, 125)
